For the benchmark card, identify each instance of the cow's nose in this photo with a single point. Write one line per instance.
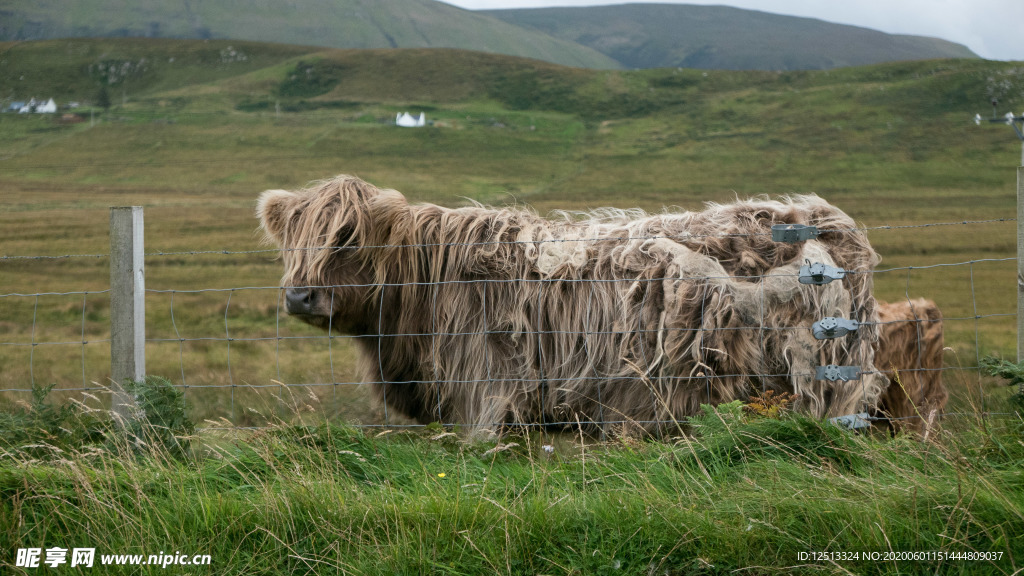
(298, 300)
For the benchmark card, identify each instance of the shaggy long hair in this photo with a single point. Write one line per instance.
(489, 316)
(909, 352)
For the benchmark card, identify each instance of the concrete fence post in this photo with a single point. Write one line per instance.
(127, 304)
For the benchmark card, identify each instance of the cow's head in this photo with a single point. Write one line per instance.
(326, 234)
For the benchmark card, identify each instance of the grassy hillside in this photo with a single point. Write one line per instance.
(720, 37)
(195, 140)
(331, 23)
(77, 69)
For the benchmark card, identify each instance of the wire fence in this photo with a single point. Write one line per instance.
(242, 359)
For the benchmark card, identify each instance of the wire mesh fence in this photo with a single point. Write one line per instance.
(242, 360)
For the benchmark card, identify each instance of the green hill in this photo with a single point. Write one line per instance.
(251, 76)
(75, 69)
(332, 23)
(883, 124)
(719, 37)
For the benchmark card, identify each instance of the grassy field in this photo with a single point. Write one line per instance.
(195, 135)
(736, 493)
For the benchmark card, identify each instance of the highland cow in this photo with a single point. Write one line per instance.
(495, 316)
(909, 353)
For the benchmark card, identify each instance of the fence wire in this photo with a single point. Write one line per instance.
(507, 242)
(260, 333)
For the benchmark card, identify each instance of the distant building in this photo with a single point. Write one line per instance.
(407, 121)
(36, 106)
(48, 107)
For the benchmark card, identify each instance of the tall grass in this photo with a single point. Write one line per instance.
(736, 491)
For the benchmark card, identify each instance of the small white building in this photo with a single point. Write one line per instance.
(33, 105)
(48, 107)
(407, 121)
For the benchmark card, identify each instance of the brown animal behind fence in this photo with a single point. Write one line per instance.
(488, 316)
(909, 352)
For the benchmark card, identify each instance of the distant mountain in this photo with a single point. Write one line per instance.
(628, 35)
(688, 36)
(332, 23)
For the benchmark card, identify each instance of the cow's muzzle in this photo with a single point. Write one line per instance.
(299, 301)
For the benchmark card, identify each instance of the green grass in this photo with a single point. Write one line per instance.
(736, 493)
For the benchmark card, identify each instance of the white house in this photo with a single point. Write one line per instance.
(404, 119)
(48, 107)
(28, 107)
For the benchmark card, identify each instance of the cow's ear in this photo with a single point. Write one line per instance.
(274, 209)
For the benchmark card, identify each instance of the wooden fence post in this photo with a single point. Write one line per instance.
(1020, 261)
(127, 304)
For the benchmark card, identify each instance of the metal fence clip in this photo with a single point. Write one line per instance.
(833, 373)
(818, 273)
(793, 232)
(851, 421)
(830, 327)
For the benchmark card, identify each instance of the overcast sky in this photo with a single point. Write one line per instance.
(993, 29)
